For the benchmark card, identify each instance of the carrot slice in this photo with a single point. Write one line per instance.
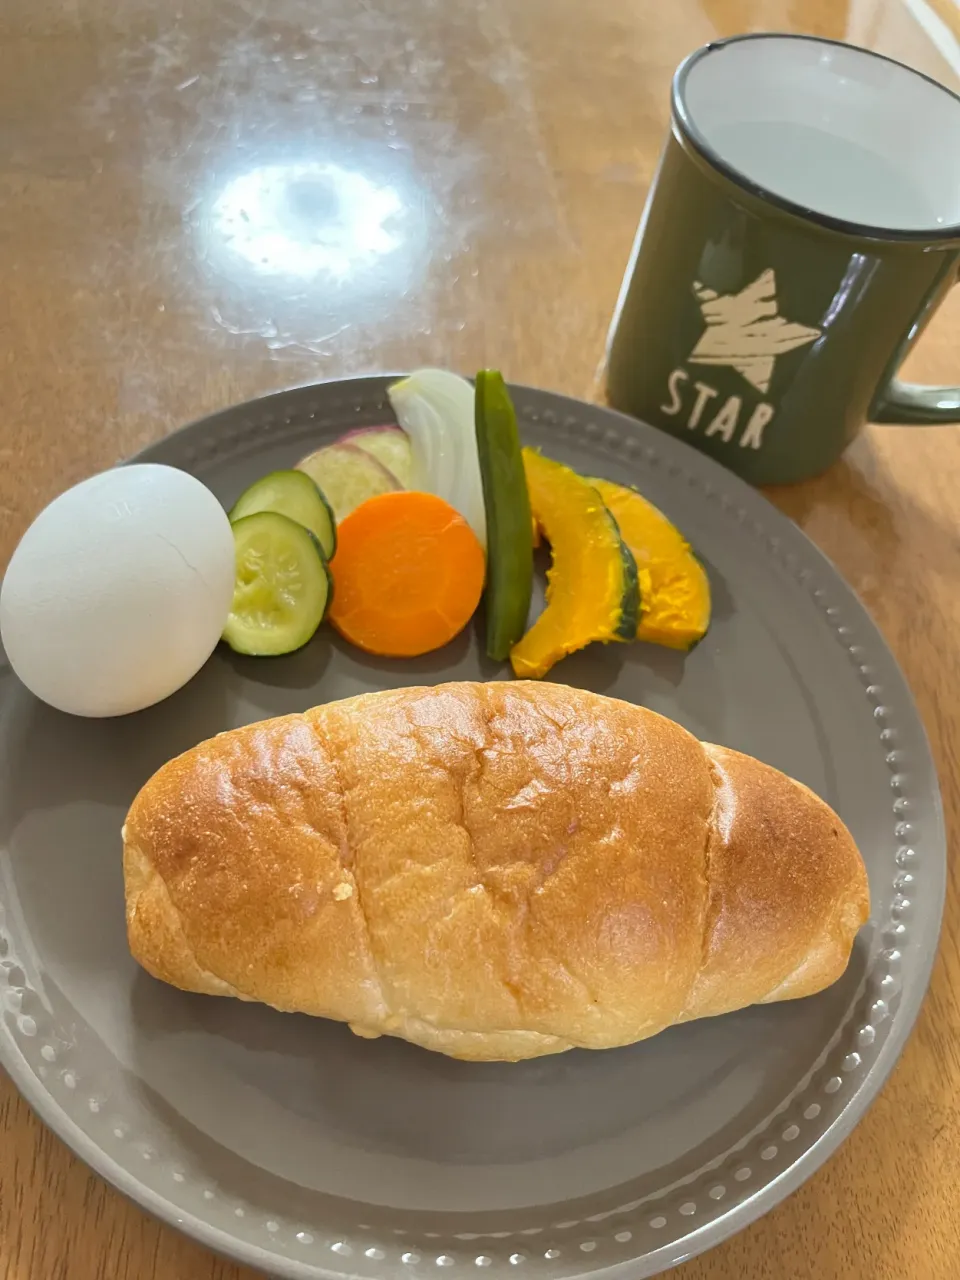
(407, 575)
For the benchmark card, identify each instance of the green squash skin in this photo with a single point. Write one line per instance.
(630, 603)
(694, 643)
(509, 523)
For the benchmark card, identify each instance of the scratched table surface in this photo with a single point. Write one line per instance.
(203, 203)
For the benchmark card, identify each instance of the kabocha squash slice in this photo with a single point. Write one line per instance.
(592, 585)
(676, 603)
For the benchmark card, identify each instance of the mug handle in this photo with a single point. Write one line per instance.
(917, 406)
(911, 403)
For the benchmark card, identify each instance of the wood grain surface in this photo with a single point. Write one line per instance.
(500, 153)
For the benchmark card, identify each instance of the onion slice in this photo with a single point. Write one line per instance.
(436, 409)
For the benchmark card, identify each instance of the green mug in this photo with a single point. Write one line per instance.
(802, 227)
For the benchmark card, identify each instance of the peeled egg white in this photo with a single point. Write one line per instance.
(118, 591)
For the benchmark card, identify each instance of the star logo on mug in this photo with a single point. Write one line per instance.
(745, 330)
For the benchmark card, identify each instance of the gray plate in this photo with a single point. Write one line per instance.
(292, 1146)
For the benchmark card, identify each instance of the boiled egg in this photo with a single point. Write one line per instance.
(118, 591)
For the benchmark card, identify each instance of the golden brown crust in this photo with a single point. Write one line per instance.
(788, 890)
(491, 870)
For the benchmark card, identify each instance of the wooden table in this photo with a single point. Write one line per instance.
(497, 153)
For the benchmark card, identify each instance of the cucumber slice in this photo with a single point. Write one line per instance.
(283, 586)
(293, 494)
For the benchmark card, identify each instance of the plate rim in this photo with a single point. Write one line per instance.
(679, 456)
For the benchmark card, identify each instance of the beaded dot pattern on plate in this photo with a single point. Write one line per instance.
(627, 1229)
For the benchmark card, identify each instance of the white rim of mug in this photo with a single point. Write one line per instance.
(689, 133)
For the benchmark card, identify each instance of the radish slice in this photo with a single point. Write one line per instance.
(436, 409)
(389, 445)
(347, 476)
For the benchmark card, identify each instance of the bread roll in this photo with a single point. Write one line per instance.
(495, 871)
